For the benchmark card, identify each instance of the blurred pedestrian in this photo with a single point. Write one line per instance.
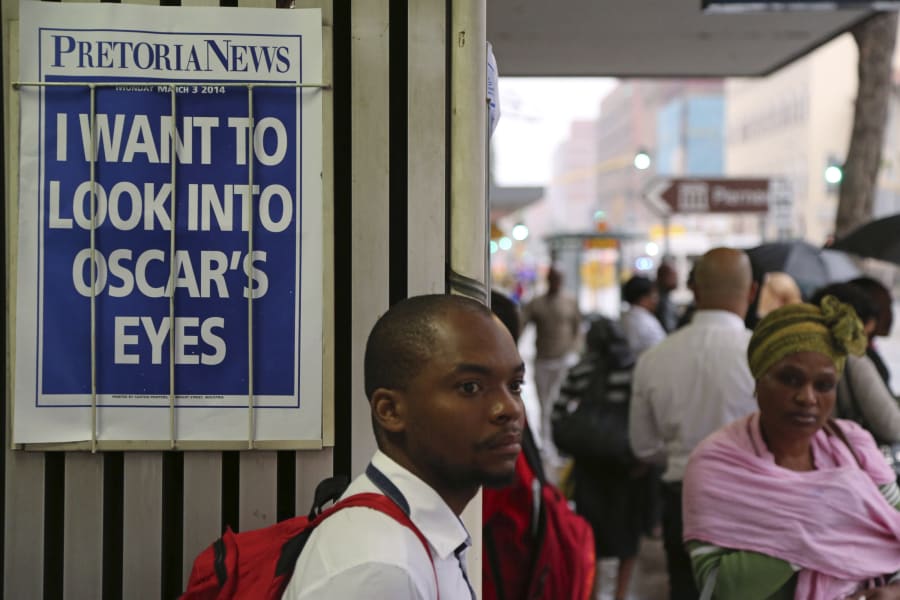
(642, 329)
(666, 283)
(609, 487)
(862, 394)
(689, 310)
(689, 385)
(778, 289)
(881, 296)
(513, 532)
(557, 322)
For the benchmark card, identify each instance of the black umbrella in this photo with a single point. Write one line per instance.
(877, 239)
(810, 266)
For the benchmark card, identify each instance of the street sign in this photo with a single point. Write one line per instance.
(701, 196)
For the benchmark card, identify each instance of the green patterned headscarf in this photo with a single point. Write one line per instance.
(832, 329)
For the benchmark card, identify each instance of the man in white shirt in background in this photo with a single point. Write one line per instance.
(642, 329)
(443, 378)
(691, 384)
(557, 322)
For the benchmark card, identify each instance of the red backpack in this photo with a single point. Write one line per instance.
(530, 523)
(258, 564)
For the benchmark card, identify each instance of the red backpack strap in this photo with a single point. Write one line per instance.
(387, 506)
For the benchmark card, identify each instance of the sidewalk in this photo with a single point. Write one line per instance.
(649, 580)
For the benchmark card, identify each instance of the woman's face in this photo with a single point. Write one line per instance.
(796, 396)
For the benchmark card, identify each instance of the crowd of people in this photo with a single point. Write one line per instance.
(760, 427)
(755, 454)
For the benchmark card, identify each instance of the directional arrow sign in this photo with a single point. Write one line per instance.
(700, 196)
(653, 195)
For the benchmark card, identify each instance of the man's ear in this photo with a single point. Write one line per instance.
(754, 289)
(389, 409)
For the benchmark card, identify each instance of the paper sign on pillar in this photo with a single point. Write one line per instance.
(170, 156)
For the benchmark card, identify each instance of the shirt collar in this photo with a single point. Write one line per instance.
(437, 522)
(718, 317)
(640, 312)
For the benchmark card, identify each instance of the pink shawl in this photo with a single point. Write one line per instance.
(833, 522)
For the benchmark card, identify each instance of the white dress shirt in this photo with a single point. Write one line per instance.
(362, 553)
(642, 329)
(687, 386)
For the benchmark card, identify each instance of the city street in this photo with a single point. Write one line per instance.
(207, 211)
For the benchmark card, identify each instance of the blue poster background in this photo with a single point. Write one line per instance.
(65, 348)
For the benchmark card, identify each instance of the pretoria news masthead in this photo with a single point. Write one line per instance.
(114, 54)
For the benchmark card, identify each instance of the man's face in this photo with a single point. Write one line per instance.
(463, 412)
(666, 278)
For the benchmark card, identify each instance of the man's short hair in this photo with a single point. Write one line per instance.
(402, 340)
(507, 311)
(636, 288)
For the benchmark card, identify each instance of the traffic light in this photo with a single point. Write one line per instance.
(642, 160)
(834, 173)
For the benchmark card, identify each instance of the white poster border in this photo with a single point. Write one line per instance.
(134, 425)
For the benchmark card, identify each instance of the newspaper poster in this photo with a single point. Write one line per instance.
(170, 232)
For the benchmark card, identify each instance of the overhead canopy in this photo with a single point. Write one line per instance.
(505, 199)
(668, 38)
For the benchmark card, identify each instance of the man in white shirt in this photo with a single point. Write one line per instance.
(691, 384)
(642, 329)
(443, 378)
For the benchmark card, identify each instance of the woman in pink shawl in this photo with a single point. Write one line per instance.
(788, 503)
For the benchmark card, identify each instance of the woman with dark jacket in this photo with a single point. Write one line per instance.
(862, 394)
(612, 490)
